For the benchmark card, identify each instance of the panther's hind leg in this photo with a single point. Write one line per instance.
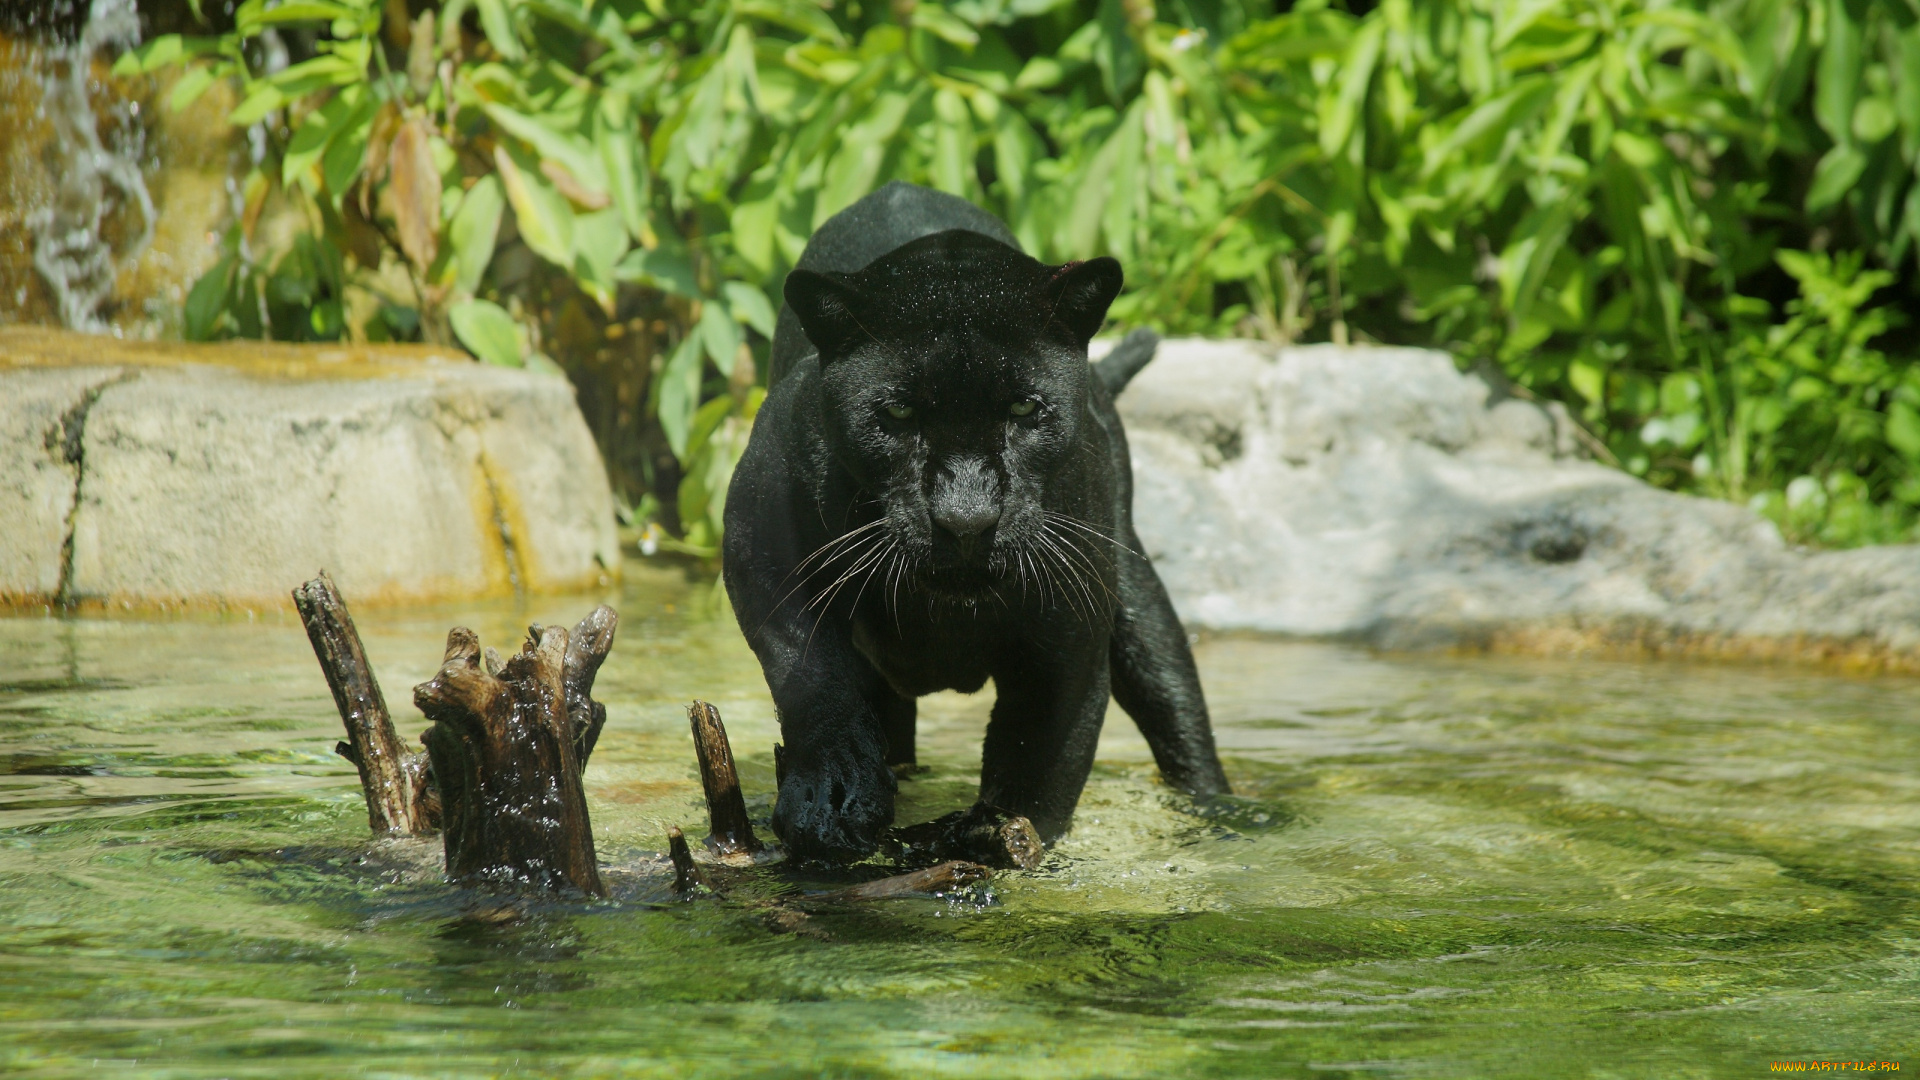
(1154, 679)
(897, 721)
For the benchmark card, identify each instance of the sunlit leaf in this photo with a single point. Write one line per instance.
(1834, 176)
(473, 231)
(542, 213)
(488, 332)
(680, 393)
(750, 306)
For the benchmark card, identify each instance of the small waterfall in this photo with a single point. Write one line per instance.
(90, 230)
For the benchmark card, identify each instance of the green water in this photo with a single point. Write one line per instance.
(1441, 867)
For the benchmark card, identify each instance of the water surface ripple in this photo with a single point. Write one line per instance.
(1437, 867)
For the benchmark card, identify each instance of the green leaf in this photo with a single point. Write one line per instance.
(598, 242)
(207, 300)
(317, 74)
(680, 394)
(1115, 53)
(1839, 75)
(1906, 87)
(853, 168)
(953, 144)
(625, 172)
(263, 99)
(1080, 228)
(316, 133)
(667, 271)
(800, 16)
(191, 86)
(720, 334)
(575, 154)
(250, 19)
(1340, 109)
(543, 214)
(1903, 429)
(938, 21)
(488, 332)
(753, 224)
(1873, 120)
(705, 421)
(474, 230)
(750, 306)
(1834, 176)
(163, 51)
(346, 155)
(498, 26)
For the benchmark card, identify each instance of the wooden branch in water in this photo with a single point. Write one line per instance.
(932, 880)
(981, 833)
(400, 796)
(732, 834)
(509, 741)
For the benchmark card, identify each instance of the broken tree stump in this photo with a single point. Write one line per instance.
(400, 796)
(509, 742)
(979, 834)
(731, 836)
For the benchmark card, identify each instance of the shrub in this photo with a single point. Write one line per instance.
(1694, 221)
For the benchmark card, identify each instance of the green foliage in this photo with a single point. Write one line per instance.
(1691, 220)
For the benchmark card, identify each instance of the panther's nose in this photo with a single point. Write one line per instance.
(965, 502)
(966, 522)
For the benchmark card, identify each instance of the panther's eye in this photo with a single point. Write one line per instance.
(1023, 408)
(900, 412)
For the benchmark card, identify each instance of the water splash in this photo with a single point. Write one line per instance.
(97, 184)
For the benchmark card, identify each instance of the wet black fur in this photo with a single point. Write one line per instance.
(872, 558)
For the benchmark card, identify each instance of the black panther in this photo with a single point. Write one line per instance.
(937, 491)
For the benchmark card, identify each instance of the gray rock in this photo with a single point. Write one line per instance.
(224, 476)
(1379, 494)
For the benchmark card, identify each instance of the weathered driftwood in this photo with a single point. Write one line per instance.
(928, 882)
(509, 741)
(731, 836)
(980, 834)
(400, 796)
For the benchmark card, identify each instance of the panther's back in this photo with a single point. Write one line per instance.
(894, 215)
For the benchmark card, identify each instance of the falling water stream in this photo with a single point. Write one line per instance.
(101, 216)
(1437, 867)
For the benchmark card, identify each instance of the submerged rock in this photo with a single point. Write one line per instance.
(162, 475)
(1379, 494)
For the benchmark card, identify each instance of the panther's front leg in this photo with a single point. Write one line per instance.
(836, 790)
(1045, 728)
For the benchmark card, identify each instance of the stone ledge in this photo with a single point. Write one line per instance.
(150, 475)
(1382, 496)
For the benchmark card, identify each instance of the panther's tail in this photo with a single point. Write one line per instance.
(1118, 367)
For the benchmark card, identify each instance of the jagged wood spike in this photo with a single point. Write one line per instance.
(686, 874)
(732, 834)
(393, 780)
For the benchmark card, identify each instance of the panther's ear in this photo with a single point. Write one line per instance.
(824, 306)
(1079, 293)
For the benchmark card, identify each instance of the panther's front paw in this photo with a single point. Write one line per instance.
(834, 811)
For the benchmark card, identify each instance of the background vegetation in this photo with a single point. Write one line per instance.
(1693, 221)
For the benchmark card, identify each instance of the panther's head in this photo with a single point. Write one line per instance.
(955, 389)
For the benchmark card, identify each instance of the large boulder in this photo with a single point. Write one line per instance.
(151, 475)
(1380, 494)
